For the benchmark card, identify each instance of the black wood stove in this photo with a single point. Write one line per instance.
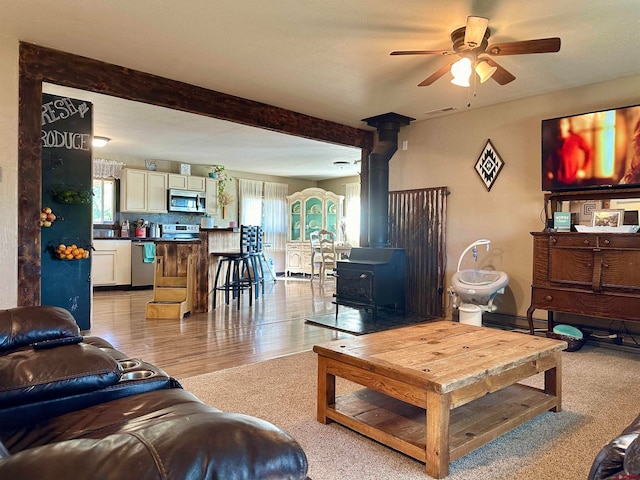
(374, 277)
(371, 278)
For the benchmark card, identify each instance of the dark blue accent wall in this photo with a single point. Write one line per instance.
(66, 180)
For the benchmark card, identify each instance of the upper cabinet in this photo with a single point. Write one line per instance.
(156, 192)
(187, 182)
(143, 191)
(211, 188)
(313, 209)
(146, 190)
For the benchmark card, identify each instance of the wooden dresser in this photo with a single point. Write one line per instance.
(591, 274)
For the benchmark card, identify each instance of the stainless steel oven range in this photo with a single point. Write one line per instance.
(179, 231)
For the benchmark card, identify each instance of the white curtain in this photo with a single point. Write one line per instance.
(275, 215)
(351, 226)
(103, 168)
(250, 196)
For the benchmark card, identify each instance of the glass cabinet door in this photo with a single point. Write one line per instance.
(332, 217)
(313, 216)
(296, 218)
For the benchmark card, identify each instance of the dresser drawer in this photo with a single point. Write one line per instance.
(617, 306)
(572, 240)
(619, 241)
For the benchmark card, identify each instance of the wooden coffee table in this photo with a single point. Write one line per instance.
(463, 376)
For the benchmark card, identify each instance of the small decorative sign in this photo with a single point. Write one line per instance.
(185, 169)
(562, 221)
(489, 165)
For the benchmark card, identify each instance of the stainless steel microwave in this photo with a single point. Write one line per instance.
(187, 201)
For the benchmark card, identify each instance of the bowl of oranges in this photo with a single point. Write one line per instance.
(71, 252)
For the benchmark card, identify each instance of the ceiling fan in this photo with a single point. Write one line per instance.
(471, 44)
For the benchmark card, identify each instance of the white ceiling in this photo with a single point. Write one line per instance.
(158, 133)
(325, 58)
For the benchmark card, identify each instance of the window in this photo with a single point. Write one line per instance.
(352, 214)
(104, 200)
(250, 201)
(265, 204)
(275, 215)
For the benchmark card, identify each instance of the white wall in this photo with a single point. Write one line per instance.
(9, 171)
(338, 185)
(443, 152)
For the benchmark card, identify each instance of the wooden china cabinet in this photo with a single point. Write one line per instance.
(591, 274)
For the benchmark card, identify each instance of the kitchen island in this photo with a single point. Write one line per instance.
(216, 240)
(175, 253)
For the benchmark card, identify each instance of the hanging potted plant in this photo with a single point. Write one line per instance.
(215, 170)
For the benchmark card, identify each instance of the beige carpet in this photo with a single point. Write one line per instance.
(600, 388)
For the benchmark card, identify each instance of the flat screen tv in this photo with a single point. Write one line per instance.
(592, 150)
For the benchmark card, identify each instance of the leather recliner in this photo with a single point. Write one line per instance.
(620, 458)
(86, 410)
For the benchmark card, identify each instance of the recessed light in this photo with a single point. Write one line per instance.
(100, 141)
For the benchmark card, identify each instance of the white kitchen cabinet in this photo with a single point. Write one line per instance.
(212, 196)
(197, 184)
(156, 192)
(143, 191)
(133, 190)
(177, 181)
(187, 182)
(111, 262)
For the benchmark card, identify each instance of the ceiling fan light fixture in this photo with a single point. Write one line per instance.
(461, 71)
(484, 70)
(100, 141)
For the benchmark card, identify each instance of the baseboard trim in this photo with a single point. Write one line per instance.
(519, 323)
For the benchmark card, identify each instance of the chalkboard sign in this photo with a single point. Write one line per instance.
(67, 190)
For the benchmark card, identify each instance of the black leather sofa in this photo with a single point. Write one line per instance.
(620, 458)
(86, 410)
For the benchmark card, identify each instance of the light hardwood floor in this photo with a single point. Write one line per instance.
(205, 342)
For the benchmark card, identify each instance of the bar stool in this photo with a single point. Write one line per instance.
(257, 256)
(240, 273)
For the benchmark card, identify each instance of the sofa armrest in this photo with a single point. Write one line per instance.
(28, 375)
(22, 326)
(610, 460)
(198, 446)
(632, 459)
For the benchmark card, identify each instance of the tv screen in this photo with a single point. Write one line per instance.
(591, 150)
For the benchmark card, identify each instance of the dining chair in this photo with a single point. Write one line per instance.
(316, 255)
(327, 253)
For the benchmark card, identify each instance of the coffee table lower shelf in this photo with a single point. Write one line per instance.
(402, 426)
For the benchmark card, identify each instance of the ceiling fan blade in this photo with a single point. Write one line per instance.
(501, 75)
(541, 45)
(435, 76)
(422, 52)
(474, 31)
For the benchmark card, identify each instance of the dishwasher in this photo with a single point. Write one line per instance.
(141, 271)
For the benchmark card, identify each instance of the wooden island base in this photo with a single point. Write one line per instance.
(436, 391)
(176, 252)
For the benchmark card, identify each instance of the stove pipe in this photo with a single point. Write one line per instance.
(388, 126)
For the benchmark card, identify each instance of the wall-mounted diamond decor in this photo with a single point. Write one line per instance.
(489, 165)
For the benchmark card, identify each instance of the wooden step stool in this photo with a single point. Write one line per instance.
(172, 296)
